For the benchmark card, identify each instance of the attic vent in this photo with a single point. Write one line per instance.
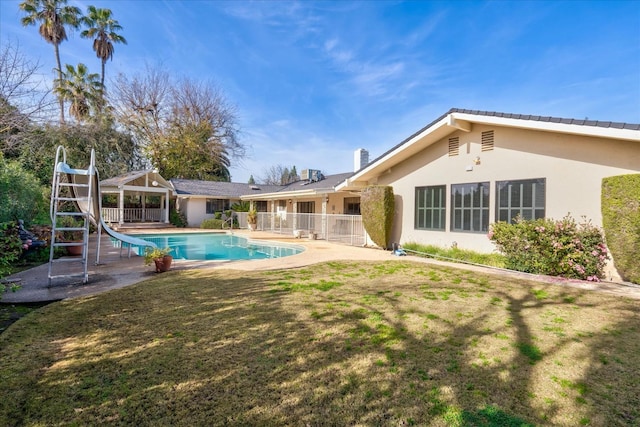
(454, 146)
(487, 140)
(255, 187)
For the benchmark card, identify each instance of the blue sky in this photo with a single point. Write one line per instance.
(313, 81)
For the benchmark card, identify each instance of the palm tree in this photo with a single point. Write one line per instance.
(82, 89)
(102, 29)
(53, 16)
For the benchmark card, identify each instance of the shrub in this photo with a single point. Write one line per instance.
(621, 222)
(21, 195)
(241, 206)
(557, 248)
(377, 206)
(177, 218)
(212, 224)
(10, 248)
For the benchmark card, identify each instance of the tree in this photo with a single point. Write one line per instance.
(293, 175)
(186, 129)
(102, 29)
(115, 150)
(279, 175)
(251, 180)
(21, 196)
(82, 89)
(53, 16)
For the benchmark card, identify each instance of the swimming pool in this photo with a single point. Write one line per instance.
(217, 246)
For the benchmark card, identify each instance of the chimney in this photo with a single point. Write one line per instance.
(360, 159)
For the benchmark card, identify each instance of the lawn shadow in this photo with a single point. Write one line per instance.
(335, 344)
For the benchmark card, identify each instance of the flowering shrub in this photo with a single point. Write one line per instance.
(557, 248)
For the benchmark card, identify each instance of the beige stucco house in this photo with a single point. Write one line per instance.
(468, 169)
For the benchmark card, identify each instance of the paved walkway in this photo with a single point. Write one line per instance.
(116, 270)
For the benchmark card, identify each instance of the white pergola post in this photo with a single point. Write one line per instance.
(143, 197)
(121, 207)
(166, 206)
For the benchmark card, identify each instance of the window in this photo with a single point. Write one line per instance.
(261, 206)
(430, 208)
(352, 205)
(523, 197)
(217, 205)
(470, 207)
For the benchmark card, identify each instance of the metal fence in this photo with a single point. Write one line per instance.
(347, 229)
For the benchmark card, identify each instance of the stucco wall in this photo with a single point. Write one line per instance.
(196, 209)
(573, 167)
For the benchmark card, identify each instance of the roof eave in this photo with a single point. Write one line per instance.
(550, 125)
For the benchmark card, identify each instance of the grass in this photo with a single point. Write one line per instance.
(456, 254)
(396, 343)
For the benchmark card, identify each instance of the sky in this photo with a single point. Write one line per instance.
(312, 81)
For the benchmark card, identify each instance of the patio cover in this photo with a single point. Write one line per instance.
(145, 182)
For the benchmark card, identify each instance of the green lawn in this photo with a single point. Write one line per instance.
(396, 343)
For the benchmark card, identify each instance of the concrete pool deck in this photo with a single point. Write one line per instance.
(116, 270)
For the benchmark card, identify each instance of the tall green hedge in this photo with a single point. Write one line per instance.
(621, 223)
(377, 206)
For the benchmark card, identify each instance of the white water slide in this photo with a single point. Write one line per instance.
(84, 186)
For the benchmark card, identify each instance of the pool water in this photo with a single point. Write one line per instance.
(216, 246)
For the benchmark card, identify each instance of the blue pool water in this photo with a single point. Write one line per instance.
(216, 246)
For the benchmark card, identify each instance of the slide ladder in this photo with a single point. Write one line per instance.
(76, 193)
(64, 195)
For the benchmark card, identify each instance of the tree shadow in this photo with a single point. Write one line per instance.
(334, 344)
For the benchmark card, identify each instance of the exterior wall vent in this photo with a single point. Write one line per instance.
(454, 146)
(487, 140)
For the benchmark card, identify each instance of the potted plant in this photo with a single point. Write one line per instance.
(71, 233)
(252, 219)
(160, 256)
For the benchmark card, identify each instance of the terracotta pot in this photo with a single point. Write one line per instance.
(74, 250)
(163, 264)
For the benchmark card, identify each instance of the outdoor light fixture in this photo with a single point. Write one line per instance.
(154, 183)
(477, 160)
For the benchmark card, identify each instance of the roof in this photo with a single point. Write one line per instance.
(235, 190)
(328, 182)
(462, 119)
(221, 189)
(135, 178)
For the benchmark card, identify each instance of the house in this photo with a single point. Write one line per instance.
(451, 180)
(310, 206)
(200, 200)
(468, 169)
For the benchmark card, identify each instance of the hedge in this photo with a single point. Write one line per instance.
(621, 222)
(377, 206)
